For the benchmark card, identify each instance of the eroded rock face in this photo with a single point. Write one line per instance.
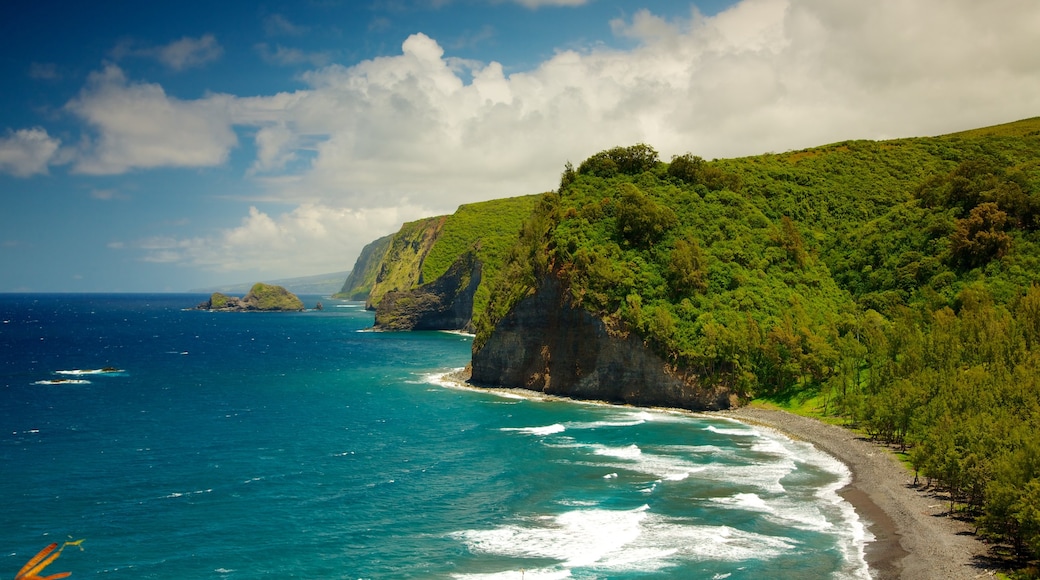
(545, 344)
(444, 304)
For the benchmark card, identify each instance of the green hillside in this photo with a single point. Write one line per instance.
(423, 250)
(362, 277)
(890, 283)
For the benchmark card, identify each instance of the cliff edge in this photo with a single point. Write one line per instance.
(549, 345)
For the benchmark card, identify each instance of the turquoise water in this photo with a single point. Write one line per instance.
(296, 445)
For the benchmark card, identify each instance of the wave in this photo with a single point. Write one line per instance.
(62, 382)
(546, 430)
(101, 371)
(745, 432)
(615, 541)
(182, 494)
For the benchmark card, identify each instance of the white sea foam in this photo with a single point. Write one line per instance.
(744, 432)
(77, 372)
(628, 452)
(62, 382)
(851, 531)
(546, 430)
(666, 467)
(612, 541)
(182, 494)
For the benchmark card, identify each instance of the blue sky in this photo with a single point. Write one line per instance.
(164, 146)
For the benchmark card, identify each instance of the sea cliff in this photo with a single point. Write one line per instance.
(545, 343)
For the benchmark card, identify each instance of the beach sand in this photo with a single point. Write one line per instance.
(913, 537)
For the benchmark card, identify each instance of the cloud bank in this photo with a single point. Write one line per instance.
(424, 131)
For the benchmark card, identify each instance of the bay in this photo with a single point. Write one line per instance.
(270, 445)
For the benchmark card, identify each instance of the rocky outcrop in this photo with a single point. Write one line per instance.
(545, 344)
(444, 304)
(261, 298)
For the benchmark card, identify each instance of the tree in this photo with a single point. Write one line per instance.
(980, 238)
(631, 160)
(641, 220)
(687, 268)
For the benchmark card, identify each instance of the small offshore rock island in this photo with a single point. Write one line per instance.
(892, 285)
(260, 298)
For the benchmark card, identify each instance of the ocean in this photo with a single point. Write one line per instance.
(183, 444)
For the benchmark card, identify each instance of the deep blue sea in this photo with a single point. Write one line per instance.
(298, 445)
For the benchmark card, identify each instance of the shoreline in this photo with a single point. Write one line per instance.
(913, 539)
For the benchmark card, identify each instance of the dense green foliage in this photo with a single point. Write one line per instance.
(488, 230)
(893, 281)
(272, 297)
(423, 250)
(401, 265)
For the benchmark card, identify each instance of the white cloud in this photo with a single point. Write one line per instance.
(189, 52)
(421, 129)
(307, 240)
(764, 75)
(27, 152)
(140, 126)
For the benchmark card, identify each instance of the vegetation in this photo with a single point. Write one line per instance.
(896, 284)
(424, 250)
(362, 277)
(272, 297)
(401, 265)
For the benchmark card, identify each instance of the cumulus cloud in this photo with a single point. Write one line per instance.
(765, 75)
(27, 152)
(309, 239)
(139, 126)
(422, 130)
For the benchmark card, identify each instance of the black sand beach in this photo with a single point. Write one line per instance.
(913, 537)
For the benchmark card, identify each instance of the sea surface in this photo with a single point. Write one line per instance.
(182, 444)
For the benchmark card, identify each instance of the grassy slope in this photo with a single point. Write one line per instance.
(489, 229)
(362, 277)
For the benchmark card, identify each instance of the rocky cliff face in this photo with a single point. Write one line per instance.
(545, 344)
(444, 304)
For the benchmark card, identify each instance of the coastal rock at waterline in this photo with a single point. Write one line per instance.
(444, 304)
(261, 298)
(546, 344)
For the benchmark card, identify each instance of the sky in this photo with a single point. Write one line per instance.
(165, 146)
